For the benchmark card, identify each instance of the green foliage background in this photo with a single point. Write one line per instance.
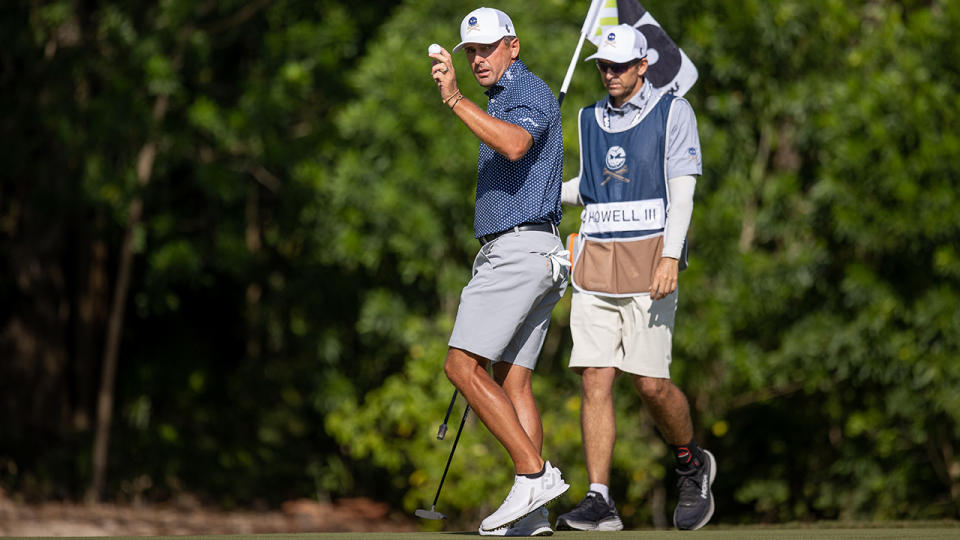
(308, 227)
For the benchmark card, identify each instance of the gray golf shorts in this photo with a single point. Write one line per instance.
(505, 309)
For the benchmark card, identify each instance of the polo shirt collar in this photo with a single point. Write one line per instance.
(510, 76)
(638, 102)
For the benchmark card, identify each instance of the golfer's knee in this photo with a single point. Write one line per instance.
(518, 392)
(513, 379)
(459, 367)
(453, 371)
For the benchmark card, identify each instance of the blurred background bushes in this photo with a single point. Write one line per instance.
(298, 208)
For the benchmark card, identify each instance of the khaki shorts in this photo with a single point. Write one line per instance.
(633, 334)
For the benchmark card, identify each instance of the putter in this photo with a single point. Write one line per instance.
(443, 427)
(432, 512)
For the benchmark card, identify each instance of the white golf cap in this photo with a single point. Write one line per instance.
(621, 44)
(484, 25)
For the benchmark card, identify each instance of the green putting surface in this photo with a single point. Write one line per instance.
(812, 531)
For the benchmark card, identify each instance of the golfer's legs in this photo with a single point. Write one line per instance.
(598, 422)
(668, 407)
(467, 372)
(516, 383)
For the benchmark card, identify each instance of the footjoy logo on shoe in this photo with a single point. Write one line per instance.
(703, 487)
(548, 481)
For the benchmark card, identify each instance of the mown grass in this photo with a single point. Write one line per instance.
(939, 530)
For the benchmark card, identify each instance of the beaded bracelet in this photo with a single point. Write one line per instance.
(451, 96)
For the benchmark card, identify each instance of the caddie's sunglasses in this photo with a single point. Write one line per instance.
(616, 69)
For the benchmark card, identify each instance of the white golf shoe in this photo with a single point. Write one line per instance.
(526, 495)
(535, 523)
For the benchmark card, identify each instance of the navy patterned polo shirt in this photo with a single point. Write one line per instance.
(527, 190)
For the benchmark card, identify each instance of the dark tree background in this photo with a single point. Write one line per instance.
(233, 235)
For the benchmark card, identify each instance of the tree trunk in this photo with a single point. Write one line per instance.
(758, 170)
(658, 505)
(101, 441)
(254, 292)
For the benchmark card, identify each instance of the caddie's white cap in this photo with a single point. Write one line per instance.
(484, 25)
(621, 44)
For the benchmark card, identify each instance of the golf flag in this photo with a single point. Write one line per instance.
(588, 24)
(670, 70)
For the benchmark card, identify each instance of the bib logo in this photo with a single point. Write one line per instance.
(616, 157)
(616, 165)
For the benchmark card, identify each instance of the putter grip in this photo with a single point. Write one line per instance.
(441, 432)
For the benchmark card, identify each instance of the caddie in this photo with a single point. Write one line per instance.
(519, 272)
(639, 156)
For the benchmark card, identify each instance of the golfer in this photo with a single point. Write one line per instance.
(519, 272)
(639, 153)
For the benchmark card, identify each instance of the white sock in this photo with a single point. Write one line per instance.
(603, 490)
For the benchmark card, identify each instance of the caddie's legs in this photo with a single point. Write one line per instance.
(696, 467)
(516, 383)
(596, 512)
(598, 423)
(467, 372)
(668, 407)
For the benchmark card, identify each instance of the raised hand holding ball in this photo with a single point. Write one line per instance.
(436, 49)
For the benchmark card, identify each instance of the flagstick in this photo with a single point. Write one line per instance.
(587, 27)
(573, 65)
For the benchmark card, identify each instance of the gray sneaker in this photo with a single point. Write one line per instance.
(534, 524)
(593, 513)
(695, 504)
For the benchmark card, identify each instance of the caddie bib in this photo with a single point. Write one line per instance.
(623, 187)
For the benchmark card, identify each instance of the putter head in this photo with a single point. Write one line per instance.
(429, 514)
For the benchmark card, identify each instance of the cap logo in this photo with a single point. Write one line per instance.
(472, 25)
(611, 40)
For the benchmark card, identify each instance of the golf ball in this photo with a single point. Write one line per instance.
(434, 49)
